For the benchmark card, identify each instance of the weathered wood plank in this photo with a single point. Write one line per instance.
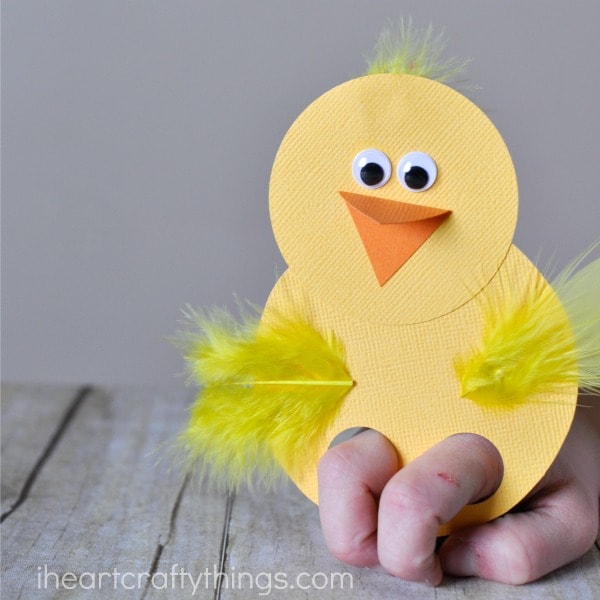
(31, 416)
(101, 504)
(188, 564)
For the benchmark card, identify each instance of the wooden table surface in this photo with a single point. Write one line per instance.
(92, 507)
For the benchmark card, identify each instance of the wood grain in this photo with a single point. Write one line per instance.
(27, 438)
(99, 501)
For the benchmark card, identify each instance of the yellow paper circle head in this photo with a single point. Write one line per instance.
(393, 198)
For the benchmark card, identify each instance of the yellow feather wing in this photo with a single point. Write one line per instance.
(268, 391)
(547, 339)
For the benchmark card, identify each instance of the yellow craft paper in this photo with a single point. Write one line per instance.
(406, 388)
(402, 338)
(396, 114)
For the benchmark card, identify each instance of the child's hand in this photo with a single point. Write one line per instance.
(374, 514)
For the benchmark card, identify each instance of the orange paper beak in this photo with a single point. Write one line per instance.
(391, 231)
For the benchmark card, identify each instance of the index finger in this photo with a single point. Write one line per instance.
(351, 478)
(430, 491)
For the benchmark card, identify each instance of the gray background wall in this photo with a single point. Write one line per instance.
(138, 138)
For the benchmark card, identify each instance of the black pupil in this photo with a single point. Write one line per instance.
(416, 178)
(372, 174)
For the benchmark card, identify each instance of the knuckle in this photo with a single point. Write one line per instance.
(402, 497)
(579, 520)
(584, 529)
(518, 560)
(336, 463)
(352, 551)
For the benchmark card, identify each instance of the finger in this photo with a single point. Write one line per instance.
(351, 477)
(428, 492)
(521, 547)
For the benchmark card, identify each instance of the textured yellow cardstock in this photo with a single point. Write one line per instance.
(397, 114)
(402, 338)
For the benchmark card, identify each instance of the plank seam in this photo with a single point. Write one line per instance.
(224, 543)
(171, 532)
(69, 415)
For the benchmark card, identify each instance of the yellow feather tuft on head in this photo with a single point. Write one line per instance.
(269, 391)
(411, 51)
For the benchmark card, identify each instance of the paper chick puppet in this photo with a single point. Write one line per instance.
(405, 307)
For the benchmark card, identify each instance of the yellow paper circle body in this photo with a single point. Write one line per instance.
(406, 388)
(396, 114)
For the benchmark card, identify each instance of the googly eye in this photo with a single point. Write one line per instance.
(417, 171)
(371, 168)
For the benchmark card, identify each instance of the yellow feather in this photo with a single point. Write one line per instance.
(579, 292)
(537, 343)
(269, 390)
